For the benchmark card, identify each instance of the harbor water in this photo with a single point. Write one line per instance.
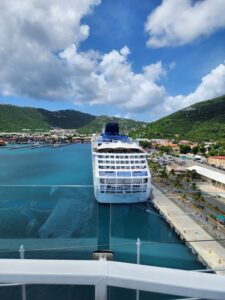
(47, 205)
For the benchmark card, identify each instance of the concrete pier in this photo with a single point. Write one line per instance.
(211, 254)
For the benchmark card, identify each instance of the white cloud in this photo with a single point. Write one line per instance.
(40, 59)
(212, 85)
(179, 22)
(31, 34)
(109, 79)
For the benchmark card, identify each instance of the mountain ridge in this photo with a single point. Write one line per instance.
(202, 121)
(16, 118)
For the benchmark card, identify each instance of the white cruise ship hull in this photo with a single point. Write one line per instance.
(120, 178)
(122, 198)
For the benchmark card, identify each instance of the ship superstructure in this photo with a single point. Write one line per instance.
(120, 169)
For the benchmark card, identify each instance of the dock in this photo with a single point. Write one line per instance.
(210, 252)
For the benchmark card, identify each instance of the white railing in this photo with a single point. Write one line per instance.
(104, 273)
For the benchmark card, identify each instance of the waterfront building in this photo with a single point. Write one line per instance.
(214, 177)
(218, 161)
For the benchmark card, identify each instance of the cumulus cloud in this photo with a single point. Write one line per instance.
(40, 59)
(108, 79)
(212, 85)
(177, 22)
(31, 33)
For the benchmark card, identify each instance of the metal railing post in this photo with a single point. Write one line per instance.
(24, 294)
(138, 262)
(101, 290)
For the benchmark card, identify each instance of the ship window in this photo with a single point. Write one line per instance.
(123, 174)
(110, 181)
(102, 180)
(107, 173)
(139, 173)
(102, 187)
(137, 181)
(126, 181)
(111, 156)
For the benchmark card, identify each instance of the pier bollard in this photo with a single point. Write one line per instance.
(24, 294)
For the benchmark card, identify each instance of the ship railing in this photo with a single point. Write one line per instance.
(103, 274)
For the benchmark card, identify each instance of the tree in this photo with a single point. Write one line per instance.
(172, 172)
(145, 144)
(165, 149)
(178, 182)
(163, 174)
(194, 175)
(188, 177)
(202, 150)
(184, 149)
(154, 167)
(193, 186)
(195, 150)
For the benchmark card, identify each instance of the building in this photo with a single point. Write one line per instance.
(211, 176)
(218, 161)
(2, 142)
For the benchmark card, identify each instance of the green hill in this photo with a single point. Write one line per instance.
(14, 118)
(203, 121)
(126, 125)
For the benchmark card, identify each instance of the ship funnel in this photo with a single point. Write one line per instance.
(112, 128)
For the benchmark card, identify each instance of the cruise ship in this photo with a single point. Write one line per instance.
(120, 168)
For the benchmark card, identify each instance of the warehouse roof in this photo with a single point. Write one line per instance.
(214, 175)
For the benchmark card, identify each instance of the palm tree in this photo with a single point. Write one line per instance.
(178, 182)
(194, 174)
(193, 186)
(163, 174)
(172, 172)
(188, 177)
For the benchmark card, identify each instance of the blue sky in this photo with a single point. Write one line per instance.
(92, 74)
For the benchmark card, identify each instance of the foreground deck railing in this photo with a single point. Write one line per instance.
(102, 274)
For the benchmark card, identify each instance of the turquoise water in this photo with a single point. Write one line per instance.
(65, 222)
